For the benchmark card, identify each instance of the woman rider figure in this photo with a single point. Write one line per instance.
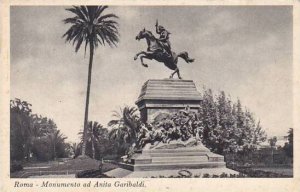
(163, 38)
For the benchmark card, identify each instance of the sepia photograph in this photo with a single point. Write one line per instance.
(151, 91)
(149, 96)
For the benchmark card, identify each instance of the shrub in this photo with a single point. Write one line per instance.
(205, 175)
(232, 175)
(92, 173)
(223, 175)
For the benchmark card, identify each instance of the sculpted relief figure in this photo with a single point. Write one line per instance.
(159, 49)
(180, 129)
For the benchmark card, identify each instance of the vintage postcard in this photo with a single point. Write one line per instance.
(149, 95)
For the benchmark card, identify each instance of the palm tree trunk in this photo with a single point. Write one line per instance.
(93, 148)
(272, 153)
(54, 152)
(86, 114)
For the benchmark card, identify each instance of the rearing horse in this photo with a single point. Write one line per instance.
(157, 52)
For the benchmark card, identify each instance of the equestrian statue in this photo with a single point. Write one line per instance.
(159, 49)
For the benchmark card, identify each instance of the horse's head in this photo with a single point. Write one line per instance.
(143, 34)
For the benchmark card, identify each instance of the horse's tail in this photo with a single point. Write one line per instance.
(184, 55)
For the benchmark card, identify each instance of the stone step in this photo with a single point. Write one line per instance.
(181, 165)
(179, 159)
(178, 150)
(185, 154)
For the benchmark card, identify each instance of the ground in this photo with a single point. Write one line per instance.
(67, 168)
(61, 168)
(280, 170)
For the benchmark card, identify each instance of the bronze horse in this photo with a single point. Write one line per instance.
(156, 51)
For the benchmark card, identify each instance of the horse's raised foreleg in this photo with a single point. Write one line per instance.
(138, 54)
(142, 61)
(144, 55)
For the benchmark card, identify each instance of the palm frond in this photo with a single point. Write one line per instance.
(110, 15)
(89, 25)
(84, 11)
(100, 9)
(77, 12)
(113, 122)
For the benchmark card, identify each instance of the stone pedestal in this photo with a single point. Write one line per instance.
(170, 95)
(167, 95)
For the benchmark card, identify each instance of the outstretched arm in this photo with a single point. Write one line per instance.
(156, 26)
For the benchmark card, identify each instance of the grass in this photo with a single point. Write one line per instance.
(265, 172)
(277, 170)
(70, 166)
(73, 166)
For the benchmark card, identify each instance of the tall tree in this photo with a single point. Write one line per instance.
(227, 127)
(33, 135)
(288, 147)
(91, 26)
(20, 129)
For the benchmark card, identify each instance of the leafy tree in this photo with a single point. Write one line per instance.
(227, 127)
(291, 135)
(210, 118)
(288, 147)
(20, 129)
(42, 149)
(91, 26)
(259, 135)
(240, 114)
(33, 135)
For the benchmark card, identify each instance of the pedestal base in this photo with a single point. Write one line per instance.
(197, 160)
(125, 173)
(181, 158)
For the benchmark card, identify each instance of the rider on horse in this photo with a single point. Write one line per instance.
(163, 38)
(159, 49)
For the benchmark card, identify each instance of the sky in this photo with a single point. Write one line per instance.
(245, 51)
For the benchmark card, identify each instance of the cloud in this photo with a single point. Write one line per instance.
(222, 22)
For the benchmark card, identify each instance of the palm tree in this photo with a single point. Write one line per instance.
(93, 135)
(91, 26)
(76, 147)
(125, 126)
(55, 138)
